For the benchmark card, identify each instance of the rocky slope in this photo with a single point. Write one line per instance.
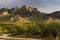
(26, 14)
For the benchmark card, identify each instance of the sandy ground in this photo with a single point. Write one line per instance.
(12, 38)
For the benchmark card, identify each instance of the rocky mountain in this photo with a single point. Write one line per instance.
(26, 14)
(32, 14)
(14, 11)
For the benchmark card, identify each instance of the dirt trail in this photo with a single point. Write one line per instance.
(12, 38)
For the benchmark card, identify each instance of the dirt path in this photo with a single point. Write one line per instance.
(12, 38)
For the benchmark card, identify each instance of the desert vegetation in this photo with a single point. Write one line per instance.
(39, 30)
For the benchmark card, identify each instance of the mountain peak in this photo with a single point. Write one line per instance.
(16, 8)
(4, 9)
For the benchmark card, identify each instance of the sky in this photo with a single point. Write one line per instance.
(46, 6)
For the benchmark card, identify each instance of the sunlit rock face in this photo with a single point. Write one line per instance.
(26, 7)
(28, 11)
(5, 13)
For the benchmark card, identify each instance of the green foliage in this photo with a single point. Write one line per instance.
(33, 28)
(3, 30)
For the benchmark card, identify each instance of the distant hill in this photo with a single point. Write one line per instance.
(26, 14)
(55, 14)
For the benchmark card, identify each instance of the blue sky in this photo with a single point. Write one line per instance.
(46, 6)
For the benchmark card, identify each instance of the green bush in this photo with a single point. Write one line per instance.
(33, 28)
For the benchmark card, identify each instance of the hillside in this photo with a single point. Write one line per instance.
(26, 14)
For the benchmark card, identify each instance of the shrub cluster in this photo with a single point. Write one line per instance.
(33, 28)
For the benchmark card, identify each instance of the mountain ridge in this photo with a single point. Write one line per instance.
(26, 14)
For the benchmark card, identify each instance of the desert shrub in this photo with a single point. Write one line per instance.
(33, 28)
(3, 30)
